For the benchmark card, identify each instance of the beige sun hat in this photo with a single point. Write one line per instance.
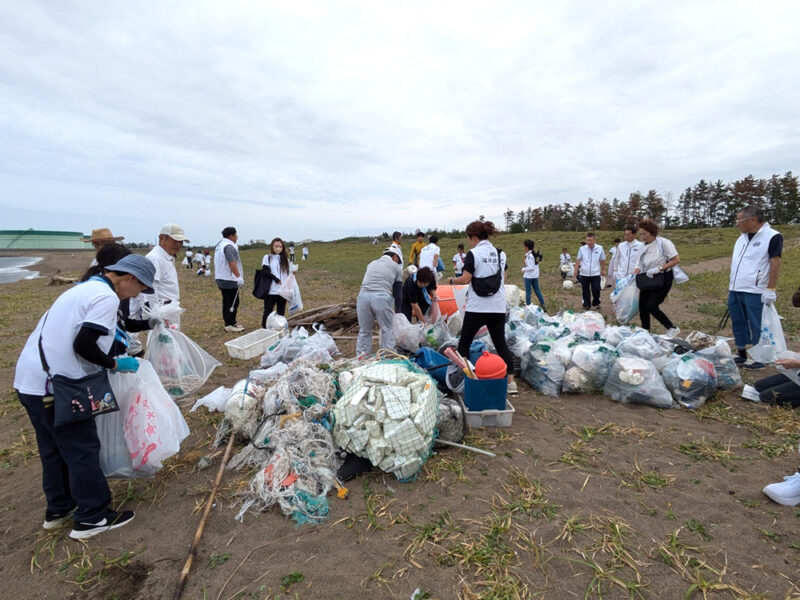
(102, 234)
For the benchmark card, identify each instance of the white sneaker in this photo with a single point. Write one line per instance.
(512, 388)
(786, 492)
(673, 332)
(234, 328)
(751, 393)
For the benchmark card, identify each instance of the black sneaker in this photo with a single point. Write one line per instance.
(56, 520)
(739, 360)
(754, 366)
(112, 520)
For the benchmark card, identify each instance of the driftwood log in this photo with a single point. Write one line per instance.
(59, 280)
(335, 317)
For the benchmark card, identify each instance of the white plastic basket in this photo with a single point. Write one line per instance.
(491, 418)
(252, 344)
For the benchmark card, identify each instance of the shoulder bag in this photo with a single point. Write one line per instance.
(76, 400)
(489, 286)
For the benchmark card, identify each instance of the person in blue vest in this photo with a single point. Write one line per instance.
(755, 267)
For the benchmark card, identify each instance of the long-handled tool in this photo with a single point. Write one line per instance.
(201, 527)
(235, 298)
(723, 322)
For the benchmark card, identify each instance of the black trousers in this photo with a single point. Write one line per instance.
(590, 284)
(779, 389)
(230, 299)
(269, 303)
(397, 292)
(650, 303)
(496, 324)
(70, 456)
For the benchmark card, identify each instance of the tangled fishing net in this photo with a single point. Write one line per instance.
(290, 443)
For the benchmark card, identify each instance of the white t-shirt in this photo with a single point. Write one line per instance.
(627, 258)
(165, 282)
(274, 262)
(530, 269)
(656, 253)
(458, 262)
(207, 260)
(564, 258)
(484, 261)
(92, 303)
(590, 260)
(426, 256)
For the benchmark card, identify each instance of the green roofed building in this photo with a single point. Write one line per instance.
(31, 239)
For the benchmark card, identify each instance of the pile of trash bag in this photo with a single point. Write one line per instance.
(316, 348)
(182, 365)
(636, 380)
(720, 355)
(544, 364)
(387, 414)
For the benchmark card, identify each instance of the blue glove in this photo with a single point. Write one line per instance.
(653, 272)
(126, 364)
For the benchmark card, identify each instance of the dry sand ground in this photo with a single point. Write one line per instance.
(587, 498)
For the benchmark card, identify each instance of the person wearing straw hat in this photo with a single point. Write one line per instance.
(72, 340)
(99, 238)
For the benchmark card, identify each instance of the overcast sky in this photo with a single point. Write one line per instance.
(326, 119)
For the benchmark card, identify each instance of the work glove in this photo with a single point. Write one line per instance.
(768, 296)
(152, 322)
(653, 272)
(126, 364)
(240, 281)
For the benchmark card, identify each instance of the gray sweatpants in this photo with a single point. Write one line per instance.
(371, 306)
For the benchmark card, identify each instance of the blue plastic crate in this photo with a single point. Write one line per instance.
(485, 394)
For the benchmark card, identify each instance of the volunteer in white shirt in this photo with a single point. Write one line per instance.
(278, 262)
(612, 263)
(655, 260)
(484, 261)
(755, 267)
(590, 266)
(189, 258)
(397, 289)
(429, 255)
(76, 335)
(305, 252)
(530, 273)
(458, 261)
(626, 260)
(170, 240)
(375, 302)
(207, 263)
(564, 263)
(229, 277)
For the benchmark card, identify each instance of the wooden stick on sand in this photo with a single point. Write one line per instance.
(201, 527)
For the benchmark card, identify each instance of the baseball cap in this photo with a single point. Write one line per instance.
(174, 231)
(394, 251)
(139, 267)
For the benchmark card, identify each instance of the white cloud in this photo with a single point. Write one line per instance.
(324, 119)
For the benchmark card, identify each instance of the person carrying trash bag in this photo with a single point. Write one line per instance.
(755, 266)
(61, 370)
(279, 271)
(654, 275)
(484, 272)
(375, 301)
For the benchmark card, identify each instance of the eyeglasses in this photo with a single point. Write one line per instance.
(744, 219)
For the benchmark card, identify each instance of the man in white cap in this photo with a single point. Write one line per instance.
(170, 241)
(376, 302)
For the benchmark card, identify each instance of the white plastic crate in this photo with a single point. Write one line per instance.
(491, 417)
(252, 344)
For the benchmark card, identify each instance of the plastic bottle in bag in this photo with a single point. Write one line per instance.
(720, 355)
(691, 379)
(636, 380)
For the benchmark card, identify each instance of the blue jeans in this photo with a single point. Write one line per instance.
(533, 284)
(745, 310)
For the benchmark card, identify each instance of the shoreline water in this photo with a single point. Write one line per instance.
(15, 268)
(69, 263)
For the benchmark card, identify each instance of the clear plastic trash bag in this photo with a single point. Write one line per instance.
(589, 367)
(641, 344)
(182, 365)
(691, 379)
(720, 355)
(544, 365)
(276, 322)
(634, 380)
(406, 335)
(771, 342)
(625, 299)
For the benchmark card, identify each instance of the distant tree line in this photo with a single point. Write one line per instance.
(704, 205)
